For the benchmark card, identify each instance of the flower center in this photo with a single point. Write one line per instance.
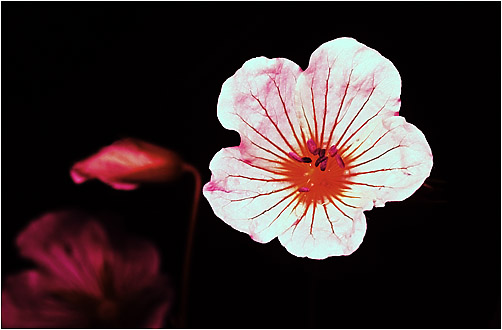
(321, 176)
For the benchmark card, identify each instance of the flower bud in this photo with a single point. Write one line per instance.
(127, 163)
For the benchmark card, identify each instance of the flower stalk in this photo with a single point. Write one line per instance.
(187, 168)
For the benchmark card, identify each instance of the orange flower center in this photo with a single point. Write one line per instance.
(321, 177)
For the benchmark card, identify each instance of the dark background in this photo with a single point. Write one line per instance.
(78, 76)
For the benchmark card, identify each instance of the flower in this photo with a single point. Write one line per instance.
(318, 147)
(127, 163)
(84, 280)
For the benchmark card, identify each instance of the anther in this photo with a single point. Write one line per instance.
(295, 156)
(339, 161)
(323, 164)
(332, 151)
(319, 160)
(304, 189)
(322, 153)
(312, 146)
(300, 159)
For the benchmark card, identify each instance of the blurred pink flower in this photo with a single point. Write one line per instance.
(83, 280)
(127, 163)
(318, 147)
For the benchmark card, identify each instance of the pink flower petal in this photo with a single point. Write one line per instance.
(247, 196)
(395, 165)
(122, 186)
(25, 304)
(156, 320)
(317, 149)
(325, 233)
(126, 163)
(138, 265)
(258, 102)
(346, 84)
(69, 248)
(84, 280)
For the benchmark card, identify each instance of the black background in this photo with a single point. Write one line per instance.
(78, 76)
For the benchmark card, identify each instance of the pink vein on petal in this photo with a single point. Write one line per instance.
(273, 123)
(286, 113)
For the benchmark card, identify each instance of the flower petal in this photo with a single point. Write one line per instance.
(137, 265)
(128, 162)
(258, 102)
(156, 320)
(245, 193)
(345, 85)
(72, 251)
(25, 304)
(332, 229)
(392, 163)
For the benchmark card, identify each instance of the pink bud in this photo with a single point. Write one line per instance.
(127, 163)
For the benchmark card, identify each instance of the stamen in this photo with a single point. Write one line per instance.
(304, 189)
(322, 153)
(319, 160)
(312, 146)
(332, 151)
(300, 159)
(295, 156)
(323, 164)
(339, 161)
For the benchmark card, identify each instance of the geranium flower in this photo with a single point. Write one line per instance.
(84, 280)
(127, 163)
(318, 147)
